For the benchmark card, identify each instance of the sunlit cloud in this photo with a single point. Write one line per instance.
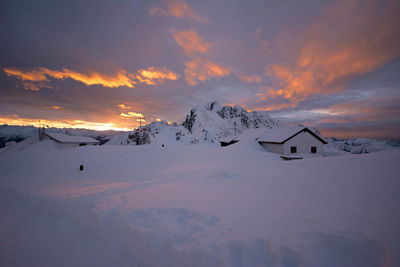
(335, 50)
(191, 42)
(153, 76)
(93, 78)
(34, 75)
(38, 78)
(131, 115)
(123, 106)
(178, 9)
(202, 70)
(32, 86)
(198, 68)
(250, 78)
(98, 126)
(56, 107)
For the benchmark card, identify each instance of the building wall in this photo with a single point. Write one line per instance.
(303, 141)
(274, 148)
(67, 145)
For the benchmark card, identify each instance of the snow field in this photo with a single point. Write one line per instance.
(197, 205)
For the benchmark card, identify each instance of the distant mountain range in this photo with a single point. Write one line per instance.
(13, 133)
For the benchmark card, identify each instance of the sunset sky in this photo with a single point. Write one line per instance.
(104, 64)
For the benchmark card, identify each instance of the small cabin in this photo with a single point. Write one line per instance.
(67, 141)
(293, 141)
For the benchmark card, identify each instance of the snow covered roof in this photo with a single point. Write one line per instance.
(64, 138)
(229, 139)
(280, 135)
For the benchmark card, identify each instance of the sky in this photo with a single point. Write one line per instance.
(103, 64)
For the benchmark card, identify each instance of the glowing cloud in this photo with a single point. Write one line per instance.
(201, 69)
(335, 50)
(178, 9)
(34, 75)
(131, 114)
(250, 78)
(190, 41)
(56, 107)
(93, 78)
(122, 106)
(153, 76)
(198, 69)
(38, 78)
(98, 126)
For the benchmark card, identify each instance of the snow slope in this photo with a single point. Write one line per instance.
(19, 133)
(197, 206)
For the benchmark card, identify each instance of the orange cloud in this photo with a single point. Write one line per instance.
(131, 114)
(178, 9)
(198, 69)
(98, 126)
(93, 78)
(122, 106)
(191, 42)
(56, 107)
(201, 70)
(32, 86)
(34, 75)
(250, 78)
(335, 50)
(153, 76)
(38, 78)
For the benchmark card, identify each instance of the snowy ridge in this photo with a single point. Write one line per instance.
(204, 124)
(213, 121)
(360, 145)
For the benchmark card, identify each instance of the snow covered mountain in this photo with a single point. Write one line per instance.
(213, 121)
(205, 124)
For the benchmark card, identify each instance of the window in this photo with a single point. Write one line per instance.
(313, 149)
(82, 144)
(293, 149)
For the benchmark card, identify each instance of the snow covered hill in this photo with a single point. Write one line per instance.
(13, 133)
(197, 205)
(360, 145)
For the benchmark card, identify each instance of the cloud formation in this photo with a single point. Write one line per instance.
(191, 42)
(178, 9)
(153, 76)
(38, 78)
(123, 106)
(199, 67)
(132, 115)
(77, 124)
(202, 69)
(336, 49)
